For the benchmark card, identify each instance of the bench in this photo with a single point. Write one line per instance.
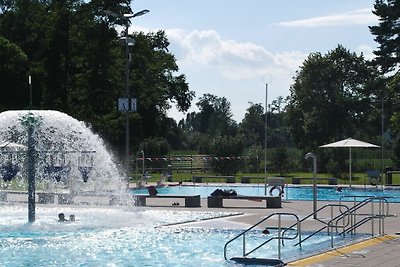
(297, 180)
(48, 198)
(199, 179)
(248, 179)
(270, 201)
(190, 201)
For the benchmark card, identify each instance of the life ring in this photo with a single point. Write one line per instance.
(280, 190)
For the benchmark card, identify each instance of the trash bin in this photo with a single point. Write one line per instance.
(389, 175)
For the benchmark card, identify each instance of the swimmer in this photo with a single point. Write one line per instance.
(265, 231)
(61, 217)
(339, 189)
(72, 218)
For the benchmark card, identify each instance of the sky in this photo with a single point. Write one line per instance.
(233, 48)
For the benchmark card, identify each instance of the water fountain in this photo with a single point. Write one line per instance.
(59, 153)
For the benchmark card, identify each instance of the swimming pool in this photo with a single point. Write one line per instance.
(291, 192)
(121, 237)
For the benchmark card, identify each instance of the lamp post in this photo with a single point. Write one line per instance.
(128, 42)
(266, 79)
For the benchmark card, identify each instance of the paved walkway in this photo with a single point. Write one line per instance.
(383, 250)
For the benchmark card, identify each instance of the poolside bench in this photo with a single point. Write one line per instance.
(200, 179)
(46, 198)
(297, 180)
(190, 200)
(270, 201)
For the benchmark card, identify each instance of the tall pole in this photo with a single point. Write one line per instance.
(29, 121)
(265, 138)
(128, 97)
(31, 176)
(382, 133)
(126, 18)
(30, 91)
(314, 158)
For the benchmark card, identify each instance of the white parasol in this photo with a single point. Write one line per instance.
(350, 142)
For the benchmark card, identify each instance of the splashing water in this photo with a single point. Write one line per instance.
(66, 152)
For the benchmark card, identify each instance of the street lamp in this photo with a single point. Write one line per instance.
(129, 106)
(266, 79)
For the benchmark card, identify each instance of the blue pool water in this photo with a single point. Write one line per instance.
(291, 192)
(121, 237)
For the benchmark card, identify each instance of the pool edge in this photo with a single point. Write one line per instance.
(336, 252)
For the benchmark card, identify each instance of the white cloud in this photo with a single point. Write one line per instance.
(231, 59)
(356, 17)
(232, 69)
(366, 50)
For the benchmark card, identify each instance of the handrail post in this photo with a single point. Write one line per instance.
(331, 223)
(244, 245)
(279, 236)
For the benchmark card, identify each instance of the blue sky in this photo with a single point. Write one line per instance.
(225, 47)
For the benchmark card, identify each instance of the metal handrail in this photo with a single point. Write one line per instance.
(346, 217)
(383, 212)
(279, 237)
(327, 225)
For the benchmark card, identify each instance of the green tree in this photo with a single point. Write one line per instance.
(331, 98)
(215, 117)
(252, 126)
(13, 76)
(388, 60)
(224, 150)
(78, 67)
(387, 34)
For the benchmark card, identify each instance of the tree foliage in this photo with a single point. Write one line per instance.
(387, 34)
(330, 98)
(12, 69)
(77, 64)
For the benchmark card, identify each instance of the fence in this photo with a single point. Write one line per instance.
(193, 163)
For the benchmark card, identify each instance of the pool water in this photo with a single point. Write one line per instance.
(121, 237)
(290, 193)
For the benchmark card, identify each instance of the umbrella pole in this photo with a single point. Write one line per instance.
(350, 164)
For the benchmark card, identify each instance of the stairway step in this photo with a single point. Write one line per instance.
(258, 261)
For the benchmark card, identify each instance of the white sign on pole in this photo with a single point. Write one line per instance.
(123, 104)
(127, 105)
(133, 105)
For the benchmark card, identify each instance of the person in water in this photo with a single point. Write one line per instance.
(266, 231)
(72, 218)
(61, 217)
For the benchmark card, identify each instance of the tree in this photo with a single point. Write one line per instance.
(13, 77)
(387, 34)
(388, 60)
(331, 98)
(215, 117)
(155, 84)
(252, 126)
(225, 149)
(78, 66)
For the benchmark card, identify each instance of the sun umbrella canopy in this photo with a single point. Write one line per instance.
(350, 142)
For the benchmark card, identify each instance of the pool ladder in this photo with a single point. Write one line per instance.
(345, 220)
